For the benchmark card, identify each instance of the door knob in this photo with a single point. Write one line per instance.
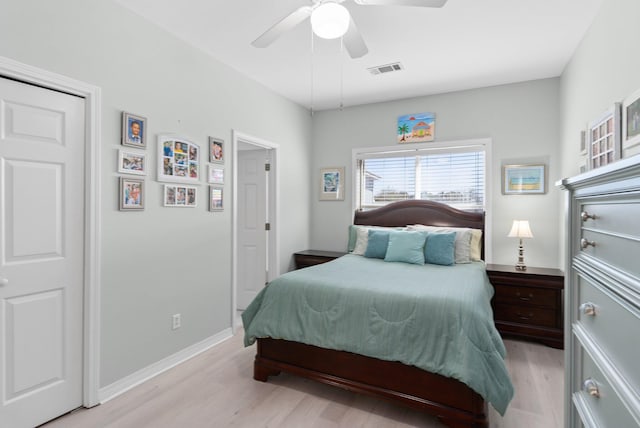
(4, 281)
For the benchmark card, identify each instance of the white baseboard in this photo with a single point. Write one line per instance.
(123, 385)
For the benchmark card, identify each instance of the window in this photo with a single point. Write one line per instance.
(454, 175)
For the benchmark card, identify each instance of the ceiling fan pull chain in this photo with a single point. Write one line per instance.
(312, 51)
(341, 72)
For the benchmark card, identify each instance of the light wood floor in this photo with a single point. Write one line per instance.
(216, 389)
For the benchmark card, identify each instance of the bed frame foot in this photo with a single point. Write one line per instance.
(262, 373)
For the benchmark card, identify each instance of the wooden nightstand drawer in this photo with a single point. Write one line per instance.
(525, 296)
(308, 258)
(529, 315)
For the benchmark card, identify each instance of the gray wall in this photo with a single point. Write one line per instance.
(603, 70)
(163, 260)
(523, 121)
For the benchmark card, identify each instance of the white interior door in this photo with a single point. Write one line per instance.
(252, 216)
(41, 253)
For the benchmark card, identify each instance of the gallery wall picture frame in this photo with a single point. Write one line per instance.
(216, 150)
(631, 120)
(216, 198)
(134, 130)
(178, 195)
(524, 179)
(131, 194)
(132, 162)
(603, 136)
(215, 174)
(332, 184)
(178, 160)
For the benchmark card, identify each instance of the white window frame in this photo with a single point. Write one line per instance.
(486, 143)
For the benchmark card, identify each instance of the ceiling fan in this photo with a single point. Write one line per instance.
(330, 20)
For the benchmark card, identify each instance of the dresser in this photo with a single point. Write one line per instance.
(602, 297)
(528, 304)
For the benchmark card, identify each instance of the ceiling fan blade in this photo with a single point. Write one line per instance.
(287, 23)
(418, 3)
(354, 42)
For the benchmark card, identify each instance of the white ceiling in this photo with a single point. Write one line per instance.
(465, 44)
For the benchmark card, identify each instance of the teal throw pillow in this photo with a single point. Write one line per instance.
(406, 247)
(352, 238)
(377, 244)
(440, 249)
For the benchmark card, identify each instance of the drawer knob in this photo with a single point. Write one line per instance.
(584, 243)
(588, 308)
(590, 386)
(586, 216)
(524, 298)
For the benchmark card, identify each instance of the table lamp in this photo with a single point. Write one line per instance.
(520, 229)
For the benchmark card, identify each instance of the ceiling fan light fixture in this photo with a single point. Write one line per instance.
(330, 20)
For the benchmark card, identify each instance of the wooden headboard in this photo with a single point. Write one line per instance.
(404, 213)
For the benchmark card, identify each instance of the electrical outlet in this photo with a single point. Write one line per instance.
(177, 322)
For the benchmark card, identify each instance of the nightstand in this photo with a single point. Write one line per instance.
(314, 257)
(528, 304)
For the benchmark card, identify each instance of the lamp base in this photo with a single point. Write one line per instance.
(520, 265)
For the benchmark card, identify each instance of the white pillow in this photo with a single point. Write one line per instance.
(464, 237)
(362, 239)
(476, 245)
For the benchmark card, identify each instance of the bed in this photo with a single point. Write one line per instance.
(424, 377)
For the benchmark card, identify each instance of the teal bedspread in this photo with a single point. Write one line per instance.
(437, 318)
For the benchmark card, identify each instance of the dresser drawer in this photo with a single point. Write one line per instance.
(613, 326)
(525, 295)
(530, 315)
(619, 251)
(605, 408)
(619, 217)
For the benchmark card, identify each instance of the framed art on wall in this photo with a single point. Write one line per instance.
(216, 150)
(524, 179)
(216, 201)
(604, 138)
(631, 120)
(131, 194)
(215, 175)
(132, 162)
(332, 184)
(180, 196)
(134, 130)
(416, 128)
(178, 160)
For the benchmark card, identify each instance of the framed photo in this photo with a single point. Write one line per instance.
(178, 160)
(216, 200)
(131, 194)
(134, 130)
(631, 120)
(604, 138)
(332, 184)
(132, 162)
(416, 128)
(524, 179)
(216, 150)
(180, 196)
(216, 175)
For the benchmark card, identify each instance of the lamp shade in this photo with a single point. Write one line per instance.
(520, 229)
(330, 20)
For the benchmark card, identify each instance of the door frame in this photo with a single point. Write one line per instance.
(273, 247)
(91, 279)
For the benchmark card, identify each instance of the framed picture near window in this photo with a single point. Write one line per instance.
(134, 130)
(524, 179)
(215, 175)
(332, 184)
(132, 162)
(631, 120)
(180, 196)
(604, 138)
(178, 160)
(131, 194)
(216, 200)
(216, 150)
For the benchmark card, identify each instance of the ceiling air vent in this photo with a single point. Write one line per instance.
(387, 68)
